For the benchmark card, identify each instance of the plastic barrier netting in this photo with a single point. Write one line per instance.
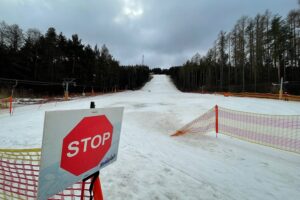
(4, 103)
(286, 97)
(203, 124)
(278, 131)
(19, 171)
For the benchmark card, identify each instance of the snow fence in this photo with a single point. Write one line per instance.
(4, 103)
(203, 124)
(19, 171)
(278, 131)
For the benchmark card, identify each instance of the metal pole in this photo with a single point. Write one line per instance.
(11, 98)
(95, 186)
(92, 104)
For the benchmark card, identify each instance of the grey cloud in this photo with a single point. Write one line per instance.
(167, 32)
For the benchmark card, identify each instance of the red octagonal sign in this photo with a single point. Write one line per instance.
(85, 146)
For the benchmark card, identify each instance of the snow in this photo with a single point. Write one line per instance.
(153, 165)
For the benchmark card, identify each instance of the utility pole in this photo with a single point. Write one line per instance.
(11, 98)
(13, 88)
(94, 80)
(143, 59)
(65, 84)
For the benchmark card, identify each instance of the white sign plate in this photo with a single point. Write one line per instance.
(57, 125)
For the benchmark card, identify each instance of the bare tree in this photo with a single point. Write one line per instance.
(33, 35)
(251, 50)
(222, 44)
(234, 43)
(196, 59)
(267, 43)
(3, 31)
(14, 37)
(241, 46)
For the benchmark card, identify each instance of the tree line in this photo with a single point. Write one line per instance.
(42, 62)
(252, 57)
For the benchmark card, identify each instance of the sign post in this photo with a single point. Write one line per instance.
(95, 184)
(76, 145)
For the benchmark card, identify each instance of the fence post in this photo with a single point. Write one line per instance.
(82, 190)
(217, 120)
(97, 190)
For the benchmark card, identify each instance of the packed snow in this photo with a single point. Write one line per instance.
(153, 165)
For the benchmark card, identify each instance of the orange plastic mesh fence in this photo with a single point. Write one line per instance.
(203, 124)
(19, 171)
(4, 103)
(278, 131)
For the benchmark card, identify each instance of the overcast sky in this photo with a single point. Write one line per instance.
(166, 32)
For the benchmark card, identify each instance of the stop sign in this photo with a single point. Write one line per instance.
(86, 144)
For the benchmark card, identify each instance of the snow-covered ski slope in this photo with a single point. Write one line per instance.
(153, 165)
